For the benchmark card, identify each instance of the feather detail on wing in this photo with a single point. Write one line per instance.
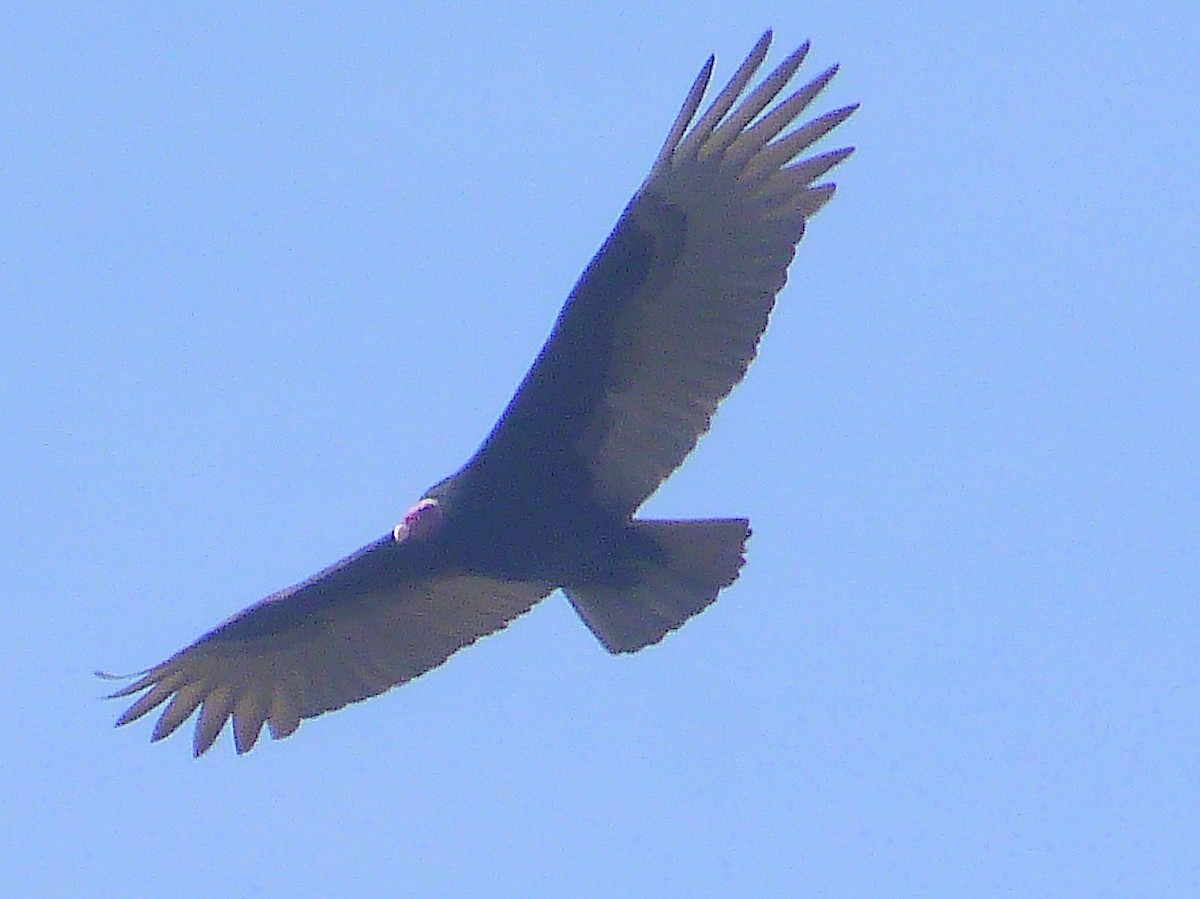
(723, 207)
(333, 654)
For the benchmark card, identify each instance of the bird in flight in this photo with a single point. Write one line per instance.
(659, 328)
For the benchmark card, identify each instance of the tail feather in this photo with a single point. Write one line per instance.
(699, 559)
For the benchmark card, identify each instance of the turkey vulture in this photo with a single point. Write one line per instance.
(660, 327)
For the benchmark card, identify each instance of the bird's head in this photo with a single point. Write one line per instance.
(420, 522)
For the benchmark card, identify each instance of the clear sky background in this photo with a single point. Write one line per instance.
(266, 275)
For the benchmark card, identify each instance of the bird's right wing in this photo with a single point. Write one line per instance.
(668, 315)
(302, 653)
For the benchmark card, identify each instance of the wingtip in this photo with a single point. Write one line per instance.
(137, 682)
(112, 678)
(761, 46)
(108, 675)
(201, 743)
(837, 116)
(125, 718)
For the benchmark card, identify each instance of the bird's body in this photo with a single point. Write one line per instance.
(660, 327)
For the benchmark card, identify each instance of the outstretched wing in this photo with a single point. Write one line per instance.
(317, 647)
(668, 315)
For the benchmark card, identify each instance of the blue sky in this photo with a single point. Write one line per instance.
(267, 275)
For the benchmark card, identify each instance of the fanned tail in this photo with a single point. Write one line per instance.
(699, 559)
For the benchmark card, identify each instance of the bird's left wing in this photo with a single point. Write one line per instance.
(668, 315)
(309, 650)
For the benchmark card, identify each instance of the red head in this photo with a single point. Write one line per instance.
(420, 522)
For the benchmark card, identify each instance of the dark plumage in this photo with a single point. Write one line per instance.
(657, 331)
